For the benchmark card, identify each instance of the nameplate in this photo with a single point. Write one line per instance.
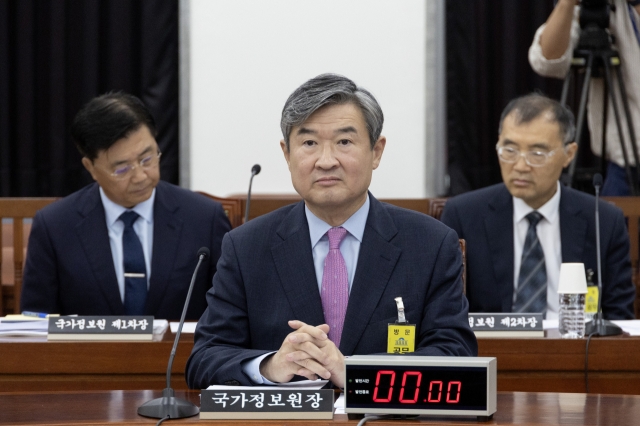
(506, 324)
(98, 328)
(261, 403)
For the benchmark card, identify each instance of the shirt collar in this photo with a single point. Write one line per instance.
(549, 210)
(354, 225)
(112, 211)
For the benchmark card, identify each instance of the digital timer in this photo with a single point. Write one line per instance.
(420, 385)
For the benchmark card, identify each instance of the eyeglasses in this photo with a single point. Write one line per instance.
(535, 158)
(122, 172)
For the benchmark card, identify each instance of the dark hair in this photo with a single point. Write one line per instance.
(529, 107)
(330, 89)
(106, 119)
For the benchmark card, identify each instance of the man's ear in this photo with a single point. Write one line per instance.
(570, 149)
(378, 149)
(285, 151)
(88, 164)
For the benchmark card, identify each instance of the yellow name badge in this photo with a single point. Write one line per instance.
(401, 338)
(591, 301)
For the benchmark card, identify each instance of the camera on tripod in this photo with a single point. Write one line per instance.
(594, 12)
(595, 55)
(594, 23)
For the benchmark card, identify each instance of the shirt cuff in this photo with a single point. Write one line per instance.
(251, 368)
(557, 68)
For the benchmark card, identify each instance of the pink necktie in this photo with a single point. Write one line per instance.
(335, 286)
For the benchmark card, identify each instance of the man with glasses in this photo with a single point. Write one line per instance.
(520, 231)
(126, 244)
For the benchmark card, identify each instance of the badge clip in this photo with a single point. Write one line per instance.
(400, 305)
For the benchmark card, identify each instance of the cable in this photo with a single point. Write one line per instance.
(162, 420)
(586, 363)
(387, 417)
(366, 419)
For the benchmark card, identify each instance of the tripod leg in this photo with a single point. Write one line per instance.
(630, 177)
(581, 110)
(603, 132)
(627, 113)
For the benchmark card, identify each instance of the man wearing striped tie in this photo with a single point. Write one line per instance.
(126, 244)
(520, 231)
(298, 289)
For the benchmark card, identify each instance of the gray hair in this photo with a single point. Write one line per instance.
(328, 89)
(529, 107)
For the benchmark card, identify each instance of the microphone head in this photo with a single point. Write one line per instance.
(204, 253)
(597, 180)
(256, 169)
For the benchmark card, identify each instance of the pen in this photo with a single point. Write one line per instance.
(35, 314)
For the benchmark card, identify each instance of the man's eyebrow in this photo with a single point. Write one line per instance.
(119, 163)
(305, 131)
(538, 145)
(348, 129)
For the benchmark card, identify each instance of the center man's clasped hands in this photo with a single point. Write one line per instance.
(307, 352)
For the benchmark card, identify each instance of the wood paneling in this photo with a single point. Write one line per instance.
(546, 364)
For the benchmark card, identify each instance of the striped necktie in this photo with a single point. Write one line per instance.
(531, 294)
(135, 269)
(335, 286)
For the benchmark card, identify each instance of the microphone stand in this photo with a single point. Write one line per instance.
(600, 326)
(254, 171)
(168, 405)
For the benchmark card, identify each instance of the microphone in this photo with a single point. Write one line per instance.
(168, 406)
(599, 326)
(254, 171)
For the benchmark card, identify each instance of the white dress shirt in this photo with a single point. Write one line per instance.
(548, 230)
(143, 228)
(349, 247)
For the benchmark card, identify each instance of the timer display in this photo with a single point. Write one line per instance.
(434, 387)
(400, 384)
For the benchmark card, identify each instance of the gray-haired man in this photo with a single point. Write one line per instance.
(298, 289)
(519, 232)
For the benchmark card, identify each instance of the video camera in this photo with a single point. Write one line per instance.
(594, 25)
(594, 12)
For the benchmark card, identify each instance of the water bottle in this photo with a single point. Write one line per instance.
(571, 316)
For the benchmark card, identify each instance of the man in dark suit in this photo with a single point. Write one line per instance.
(298, 289)
(535, 143)
(85, 257)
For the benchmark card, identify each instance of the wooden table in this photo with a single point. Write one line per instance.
(42, 365)
(120, 407)
(553, 364)
(546, 364)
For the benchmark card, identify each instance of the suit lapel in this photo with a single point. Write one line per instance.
(573, 228)
(166, 236)
(376, 261)
(94, 237)
(293, 260)
(498, 227)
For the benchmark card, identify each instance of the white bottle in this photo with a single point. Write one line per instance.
(572, 287)
(571, 316)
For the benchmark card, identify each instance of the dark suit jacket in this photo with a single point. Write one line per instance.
(69, 267)
(484, 218)
(266, 277)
